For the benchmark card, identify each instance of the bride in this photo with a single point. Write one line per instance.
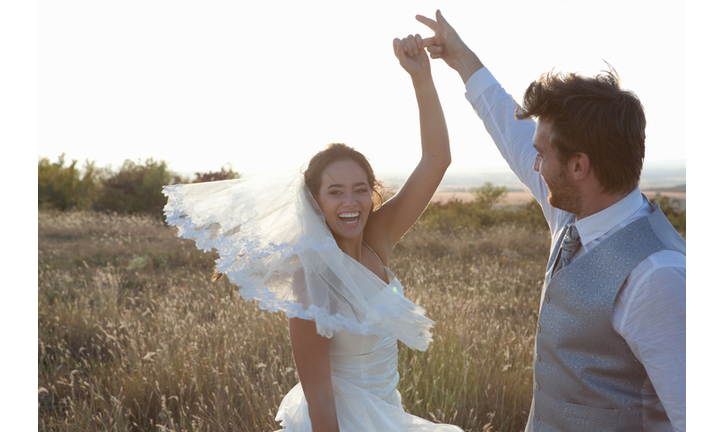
(318, 248)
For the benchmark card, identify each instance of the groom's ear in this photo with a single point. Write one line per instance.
(579, 166)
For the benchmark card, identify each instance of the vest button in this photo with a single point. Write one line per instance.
(536, 416)
(547, 299)
(537, 358)
(537, 387)
(539, 329)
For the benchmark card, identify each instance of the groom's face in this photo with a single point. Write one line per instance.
(562, 192)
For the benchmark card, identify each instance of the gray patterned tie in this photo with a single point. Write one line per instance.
(571, 241)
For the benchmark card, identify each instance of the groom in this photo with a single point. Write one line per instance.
(610, 351)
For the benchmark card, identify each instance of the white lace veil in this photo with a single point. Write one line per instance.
(274, 244)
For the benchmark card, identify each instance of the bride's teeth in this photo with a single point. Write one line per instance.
(349, 218)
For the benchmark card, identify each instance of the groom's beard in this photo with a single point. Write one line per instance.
(563, 194)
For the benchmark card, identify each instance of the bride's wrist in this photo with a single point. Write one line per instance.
(422, 81)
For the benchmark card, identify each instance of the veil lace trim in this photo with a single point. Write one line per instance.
(274, 244)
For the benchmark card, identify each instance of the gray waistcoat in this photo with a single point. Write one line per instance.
(586, 377)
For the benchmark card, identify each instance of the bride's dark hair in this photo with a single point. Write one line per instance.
(337, 152)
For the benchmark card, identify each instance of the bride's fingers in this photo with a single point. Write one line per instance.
(397, 43)
(410, 45)
(405, 45)
(415, 42)
(399, 47)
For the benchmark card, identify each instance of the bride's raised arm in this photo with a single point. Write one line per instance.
(390, 222)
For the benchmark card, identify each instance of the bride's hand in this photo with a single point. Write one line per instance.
(412, 55)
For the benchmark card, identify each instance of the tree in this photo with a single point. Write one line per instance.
(63, 188)
(135, 188)
(224, 174)
(487, 195)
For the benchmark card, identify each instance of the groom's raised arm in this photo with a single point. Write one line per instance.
(513, 137)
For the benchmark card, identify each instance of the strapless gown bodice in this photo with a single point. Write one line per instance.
(364, 380)
(366, 361)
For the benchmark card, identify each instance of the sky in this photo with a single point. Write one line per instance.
(265, 85)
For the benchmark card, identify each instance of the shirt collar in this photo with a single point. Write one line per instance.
(592, 227)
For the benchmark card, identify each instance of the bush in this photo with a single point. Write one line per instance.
(63, 188)
(487, 195)
(224, 174)
(529, 215)
(673, 211)
(135, 188)
(482, 212)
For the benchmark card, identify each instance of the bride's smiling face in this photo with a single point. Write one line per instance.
(345, 197)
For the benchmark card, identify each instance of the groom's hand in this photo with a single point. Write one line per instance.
(447, 45)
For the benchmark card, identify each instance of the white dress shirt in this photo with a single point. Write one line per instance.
(650, 310)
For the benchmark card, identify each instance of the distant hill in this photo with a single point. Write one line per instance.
(661, 174)
(656, 174)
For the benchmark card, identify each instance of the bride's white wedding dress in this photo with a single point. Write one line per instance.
(364, 379)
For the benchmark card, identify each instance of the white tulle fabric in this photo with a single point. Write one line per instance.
(273, 243)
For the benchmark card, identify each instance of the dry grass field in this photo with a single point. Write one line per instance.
(132, 335)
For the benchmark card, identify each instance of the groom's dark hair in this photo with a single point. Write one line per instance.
(592, 115)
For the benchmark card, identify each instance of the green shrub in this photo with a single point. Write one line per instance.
(62, 187)
(135, 188)
(487, 195)
(226, 173)
(483, 212)
(673, 211)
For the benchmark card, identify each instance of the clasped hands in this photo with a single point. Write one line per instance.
(445, 44)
